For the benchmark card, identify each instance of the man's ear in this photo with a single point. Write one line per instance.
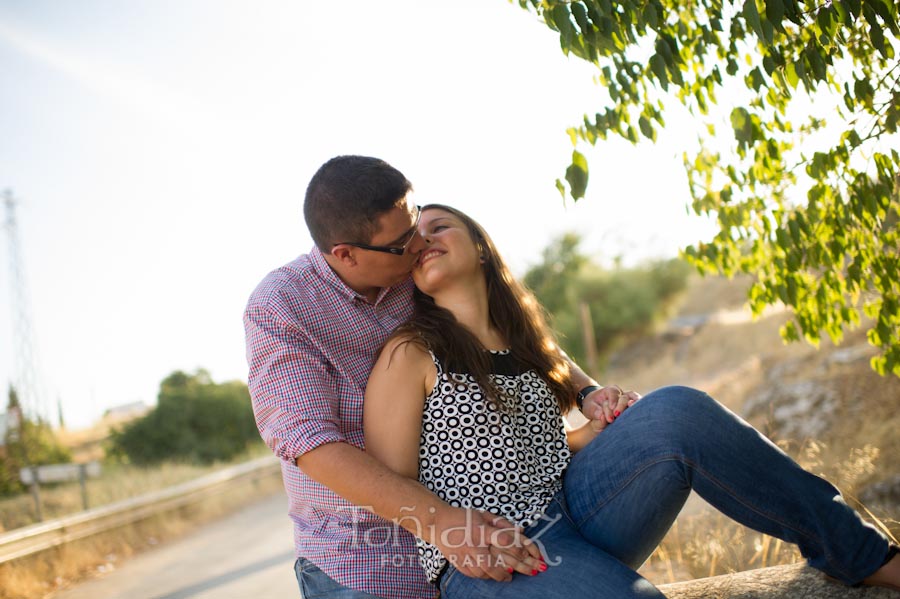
(344, 253)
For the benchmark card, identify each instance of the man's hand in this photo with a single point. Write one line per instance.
(483, 545)
(606, 404)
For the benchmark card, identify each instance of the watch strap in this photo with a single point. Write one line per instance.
(579, 397)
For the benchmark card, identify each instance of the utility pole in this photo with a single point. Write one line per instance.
(26, 381)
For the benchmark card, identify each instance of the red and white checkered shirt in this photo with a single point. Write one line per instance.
(311, 342)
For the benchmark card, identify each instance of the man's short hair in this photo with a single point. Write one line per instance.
(347, 195)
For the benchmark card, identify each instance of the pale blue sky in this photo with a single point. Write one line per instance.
(160, 151)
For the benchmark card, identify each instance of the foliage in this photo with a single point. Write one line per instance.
(194, 420)
(553, 280)
(830, 256)
(32, 444)
(622, 303)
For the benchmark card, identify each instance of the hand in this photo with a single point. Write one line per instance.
(606, 404)
(484, 545)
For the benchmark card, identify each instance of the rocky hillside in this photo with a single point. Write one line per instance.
(794, 393)
(825, 406)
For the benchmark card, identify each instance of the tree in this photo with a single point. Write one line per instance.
(28, 443)
(816, 227)
(621, 303)
(553, 280)
(195, 419)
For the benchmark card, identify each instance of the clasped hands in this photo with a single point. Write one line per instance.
(604, 405)
(484, 545)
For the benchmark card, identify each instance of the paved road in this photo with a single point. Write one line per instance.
(248, 555)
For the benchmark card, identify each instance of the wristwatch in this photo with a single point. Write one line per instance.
(579, 398)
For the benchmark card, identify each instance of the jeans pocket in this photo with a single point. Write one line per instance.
(313, 582)
(446, 578)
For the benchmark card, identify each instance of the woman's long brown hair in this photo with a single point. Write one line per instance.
(514, 312)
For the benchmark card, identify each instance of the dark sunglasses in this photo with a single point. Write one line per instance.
(395, 250)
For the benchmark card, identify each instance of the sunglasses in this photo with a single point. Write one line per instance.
(390, 249)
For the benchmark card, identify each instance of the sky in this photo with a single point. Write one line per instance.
(159, 150)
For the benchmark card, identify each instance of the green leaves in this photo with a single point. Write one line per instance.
(195, 420)
(621, 302)
(577, 175)
(817, 224)
(751, 15)
(775, 12)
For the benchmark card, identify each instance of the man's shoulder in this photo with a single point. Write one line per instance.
(293, 284)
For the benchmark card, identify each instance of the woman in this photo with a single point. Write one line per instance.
(468, 397)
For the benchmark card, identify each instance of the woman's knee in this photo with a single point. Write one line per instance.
(679, 399)
(677, 416)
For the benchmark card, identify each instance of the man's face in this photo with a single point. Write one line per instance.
(395, 229)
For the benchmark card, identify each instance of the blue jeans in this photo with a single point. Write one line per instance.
(315, 584)
(623, 491)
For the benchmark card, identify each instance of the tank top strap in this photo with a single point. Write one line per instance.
(437, 364)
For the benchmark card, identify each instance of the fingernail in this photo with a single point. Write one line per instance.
(510, 570)
(541, 558)
(543, 567)
(534, 572)
(616, 413)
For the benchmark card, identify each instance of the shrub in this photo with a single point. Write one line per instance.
(194, 420)
(34, 445)
(622, 303)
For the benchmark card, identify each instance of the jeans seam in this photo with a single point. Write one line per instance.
(736, 497)
(810, 535)
(446, 578)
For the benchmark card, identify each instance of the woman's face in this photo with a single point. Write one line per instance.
(450, 256)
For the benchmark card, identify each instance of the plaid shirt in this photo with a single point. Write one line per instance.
(311, 341)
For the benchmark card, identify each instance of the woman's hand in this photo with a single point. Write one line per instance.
(484, 545)
(604, 405)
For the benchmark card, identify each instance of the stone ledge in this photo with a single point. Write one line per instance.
(778, 582)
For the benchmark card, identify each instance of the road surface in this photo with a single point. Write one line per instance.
(248, 555)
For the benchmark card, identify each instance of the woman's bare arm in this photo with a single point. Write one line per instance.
(395, 397)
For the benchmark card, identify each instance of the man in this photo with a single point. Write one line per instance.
(313, 327)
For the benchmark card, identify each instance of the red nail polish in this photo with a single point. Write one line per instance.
(510, 570)
(543, 567)
(541, 558)
(616, 413)
(534, 572)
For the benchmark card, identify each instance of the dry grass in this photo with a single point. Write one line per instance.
(118, 482)
(704, 542)
(45, 573)
(747, 367)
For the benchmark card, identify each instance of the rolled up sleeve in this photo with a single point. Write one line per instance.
(292, 386)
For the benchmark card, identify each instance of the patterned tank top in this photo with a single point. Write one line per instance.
(472, 454)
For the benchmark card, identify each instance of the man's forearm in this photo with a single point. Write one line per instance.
(364, 481)
(463, 536)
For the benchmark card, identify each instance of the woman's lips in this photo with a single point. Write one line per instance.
(428, 255)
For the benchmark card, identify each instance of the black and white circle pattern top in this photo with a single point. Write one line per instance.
(475, 454)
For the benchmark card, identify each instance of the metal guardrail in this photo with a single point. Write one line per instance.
(53, 533)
